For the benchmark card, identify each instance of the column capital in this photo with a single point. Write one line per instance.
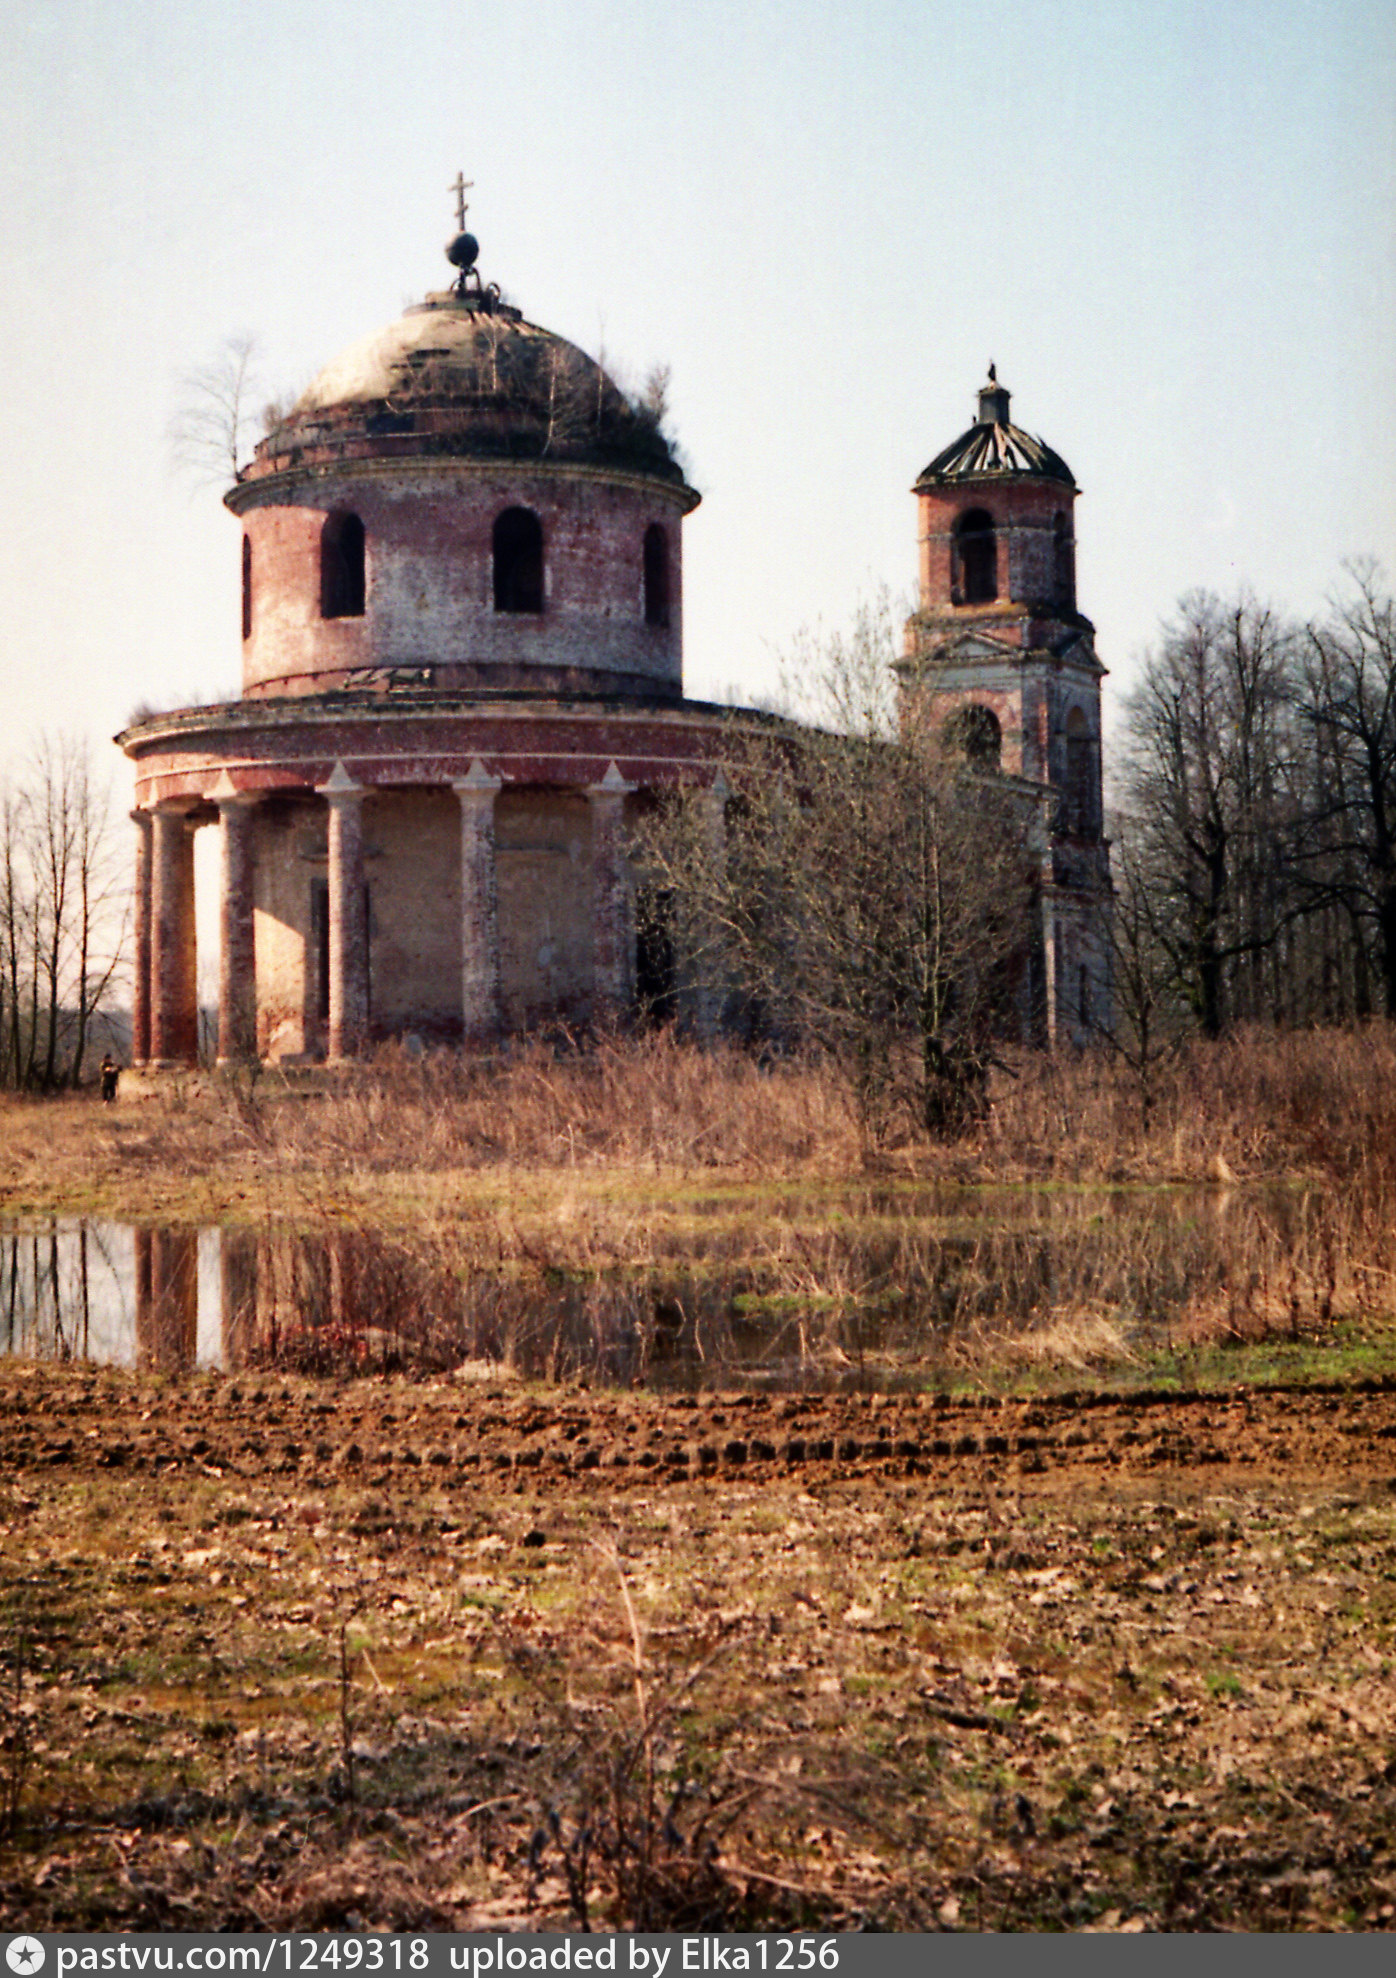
(612, 784)
(477, 782)
(143, 817)
(340, 787)
(226, 794)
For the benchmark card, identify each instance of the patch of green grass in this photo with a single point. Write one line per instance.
(1225, 1683)
(1349, 1352)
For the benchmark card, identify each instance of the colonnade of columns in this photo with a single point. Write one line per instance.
(165, 1017)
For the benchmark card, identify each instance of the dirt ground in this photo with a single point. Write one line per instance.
(280, 1654)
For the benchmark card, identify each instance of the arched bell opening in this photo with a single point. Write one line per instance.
(976, 557)
(1080, 792)
(974, 733)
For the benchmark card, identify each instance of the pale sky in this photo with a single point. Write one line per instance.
(1169, 222)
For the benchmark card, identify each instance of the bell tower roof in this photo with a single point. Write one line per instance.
(994, 448)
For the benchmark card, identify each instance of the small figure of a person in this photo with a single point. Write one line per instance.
(111, 1071)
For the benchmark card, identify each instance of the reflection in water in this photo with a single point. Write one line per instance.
(177, 1297)
(110, 1293)
(860, 1292)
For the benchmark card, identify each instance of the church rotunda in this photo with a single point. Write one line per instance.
(462, 610)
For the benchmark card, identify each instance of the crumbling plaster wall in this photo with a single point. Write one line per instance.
(543, 841)
(289, 850)
(430, 576)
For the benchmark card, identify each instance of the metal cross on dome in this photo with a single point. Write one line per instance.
(460, 189)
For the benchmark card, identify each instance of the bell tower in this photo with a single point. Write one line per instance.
(998, 644)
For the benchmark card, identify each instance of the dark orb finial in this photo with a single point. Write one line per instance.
(462, 250)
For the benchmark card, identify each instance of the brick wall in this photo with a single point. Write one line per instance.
(1024, 512)
(429, 563)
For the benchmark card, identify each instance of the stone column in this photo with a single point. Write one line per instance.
(174, 994)
(1049, 961)
(348, 922)
(237, 965)
(140, 986)
(710, 990)
(612, 940)
(479, 903)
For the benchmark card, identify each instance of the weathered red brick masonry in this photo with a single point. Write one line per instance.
(463, 672)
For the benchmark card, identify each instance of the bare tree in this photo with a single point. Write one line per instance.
(209, 431)
(52, 815)
(864, 890)
(62, 917)
(1349, 699)
(1148, 1018)
(1210, 787)
(16, 909)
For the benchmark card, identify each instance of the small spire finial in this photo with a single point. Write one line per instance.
(460, 189)
(993, 400)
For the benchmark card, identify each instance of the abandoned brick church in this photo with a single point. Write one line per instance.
(462, 624)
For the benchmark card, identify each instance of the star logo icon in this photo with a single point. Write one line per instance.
(24, 1955)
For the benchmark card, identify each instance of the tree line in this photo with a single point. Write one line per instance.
(1255, 819)
(866, 886)
(63, 917)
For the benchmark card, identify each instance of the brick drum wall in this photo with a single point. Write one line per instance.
(429, 566)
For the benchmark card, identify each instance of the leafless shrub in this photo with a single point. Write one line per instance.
(863, 892)
(634, 1808)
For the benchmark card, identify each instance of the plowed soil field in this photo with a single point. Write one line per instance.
(288, 1654)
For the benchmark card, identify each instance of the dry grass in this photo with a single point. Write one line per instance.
(1258, 1104)
(1261, 1103)
(565, 1200)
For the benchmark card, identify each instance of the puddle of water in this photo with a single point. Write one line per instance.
(862, 1290)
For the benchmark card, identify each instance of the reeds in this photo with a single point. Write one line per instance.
(1258, 1104)
(864, 1287)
